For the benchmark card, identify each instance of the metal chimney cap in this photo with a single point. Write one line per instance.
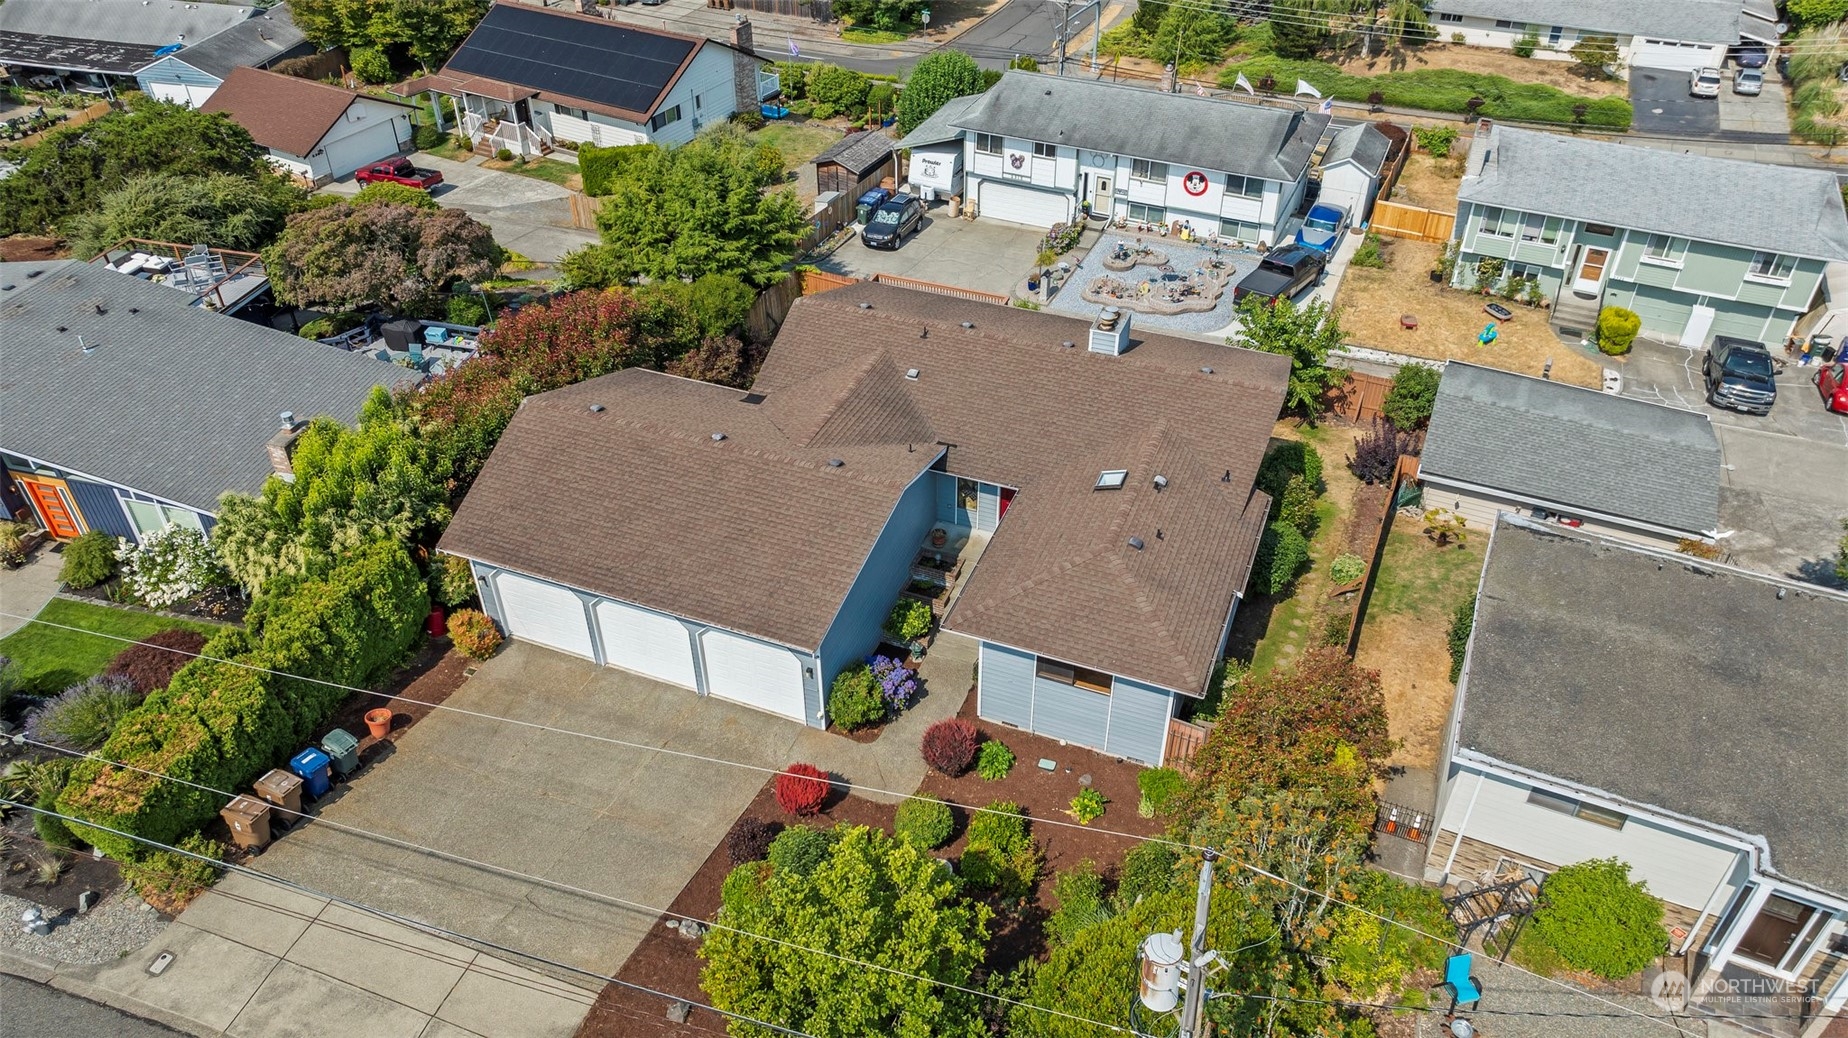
(288, 419)
(835, 463)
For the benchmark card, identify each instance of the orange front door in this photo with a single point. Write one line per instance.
(53, 503)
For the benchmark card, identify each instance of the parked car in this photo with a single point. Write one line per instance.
(1739, 375)
(1704, 82)
(1322, 230)
(1832, 383)
(398, 171)
(1749, 55)
(1282, 274)
(1749, 81)
(896, 217)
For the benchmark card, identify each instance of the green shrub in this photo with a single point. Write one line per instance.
(839, 88)
(1617, 330)
(469, 310)
(169, 566)
(1440, 90)
(1435, 140)
(1598, 920)
(503, 155)
(351, 626)
(924, 821)
(82, 716)
(1000, 855)
(371, 65)
(1159, 787)
(1525, 46)
(1079, 892)
(1810, 13)
(1336, 629)
(50, 828)
(1283, 460)
(1282, 554)
(854, 701)
(1371, 253)
(1088, 806)
(89, 560)
(879, 100)
(385, 192)
(1148, 868)
(331, 325)
(1297, 506)
(800, 849)
(1414, 392)
(425, 137)
(750, 119)
(910, 619)
(601, 166)
(452, 580)
(821, 110)
(1347, 568)
(743, 885)
(1461, 623)
(994, 760)
(171, 881)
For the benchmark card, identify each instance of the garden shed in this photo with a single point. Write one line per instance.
(854, 163)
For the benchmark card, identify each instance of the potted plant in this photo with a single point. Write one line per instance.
(910, 623)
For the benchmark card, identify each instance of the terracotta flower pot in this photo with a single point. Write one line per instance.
(379, 722)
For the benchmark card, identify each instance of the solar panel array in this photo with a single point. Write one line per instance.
(604, 63)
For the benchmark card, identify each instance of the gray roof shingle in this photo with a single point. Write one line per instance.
(1120, 119)
(859, 152)
(149, 22)
(173, 399)
(1693, 21)
(941, 126)
(1666, 681)
(257, 42)
(1784, 209)
(1573, 447)
(1360, 144)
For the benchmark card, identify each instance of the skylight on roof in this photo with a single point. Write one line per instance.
(1112, 479)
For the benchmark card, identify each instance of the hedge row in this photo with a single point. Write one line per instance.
(1438, 90)
(222, 725)
(600, 166)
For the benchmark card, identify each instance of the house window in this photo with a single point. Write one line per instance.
(1240, 230)
(1142, 213)
(667, 118)
(1045, 151)
(1600, 228)
(1522, 272)
(988, 144)
(1244, 187)
(1665, 249)
(148, 517)
(1073, 675)
(1543, 229)
(1503, 23)
(1577, 808)
(1143, 169)
(1499, 223)
(1772, 267)
(1446, 16)
(575, 113)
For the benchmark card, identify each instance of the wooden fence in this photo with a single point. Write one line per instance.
(1398, 220)
(773, 303)
(1407, 469)
(1184, 740)
(584, 210)
(1360, 398)
(88, 115)
(973, 295)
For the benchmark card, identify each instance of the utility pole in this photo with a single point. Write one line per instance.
(1196, 951)
(1065, 18)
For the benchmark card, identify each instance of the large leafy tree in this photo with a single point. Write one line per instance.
(72, 168)
(1299, 28)
(217, 209)
(943, 75)
(874, 899)
(400, 257)
(1306, 334)
(427, 29)
(695, 210)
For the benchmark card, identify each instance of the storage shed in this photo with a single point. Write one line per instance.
(854, 163)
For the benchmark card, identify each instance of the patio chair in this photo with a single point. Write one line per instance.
(1464, 988)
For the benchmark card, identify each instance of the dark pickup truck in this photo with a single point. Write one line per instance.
(1282, 274)
(1739, 375)
(398, 171)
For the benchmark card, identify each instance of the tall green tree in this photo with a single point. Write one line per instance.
(873, 899)
(702, 208)
(218, 209)
(1192, 35)
(403, 258)
(942, 75)
(1299, 28)
(427, 29)
(1306, 334)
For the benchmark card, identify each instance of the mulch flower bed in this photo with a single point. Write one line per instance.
(19, 868)
(667, 961)
(1369, 507)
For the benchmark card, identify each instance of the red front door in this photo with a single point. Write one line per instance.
(1007, 498)
(53, 503)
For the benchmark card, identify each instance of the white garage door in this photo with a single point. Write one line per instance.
(543, 613)
(377, 140)
(1672, 55)
(180, 93)
(1016, 204)
(753, 673)
(647, 643)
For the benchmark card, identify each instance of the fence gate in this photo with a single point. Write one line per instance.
(1184, 740)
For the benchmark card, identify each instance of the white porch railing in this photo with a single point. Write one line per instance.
(768, 84)
(472, 122)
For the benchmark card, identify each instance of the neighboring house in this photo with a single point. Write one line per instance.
(751, 545)
(1351, 170)
(1038, 149)
(1679, 35)
(127, 408)
(189, 74)
(97, 46)
(527, 77)
(316, 131)
(1683, 716)
(853, 164)
(936, 147)
(1696, 246)
(1626, 468)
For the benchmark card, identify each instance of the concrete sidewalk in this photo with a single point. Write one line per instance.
(252, 959)
(24, 591)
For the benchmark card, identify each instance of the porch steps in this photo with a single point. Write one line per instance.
(484, 141)
(1574, 316)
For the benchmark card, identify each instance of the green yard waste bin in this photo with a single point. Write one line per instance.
(343, 750)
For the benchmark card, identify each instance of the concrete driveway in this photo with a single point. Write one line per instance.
(594, 824)
(1664, 106)
(979, 254)
(1765, 115)
(529, 216)
(1781, 492)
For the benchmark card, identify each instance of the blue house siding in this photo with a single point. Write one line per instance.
(1138, 720)
(1131, 721)
(1068, 712)
(101, 510)
(1005, 686)
(887, 569)
(171, 72)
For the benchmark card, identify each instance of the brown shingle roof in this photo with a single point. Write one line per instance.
(286, 113)
(638, 502)
(858, 152)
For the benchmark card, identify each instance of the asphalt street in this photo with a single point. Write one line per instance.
(38, 1011)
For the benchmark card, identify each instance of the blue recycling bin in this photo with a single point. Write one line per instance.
(311, 764)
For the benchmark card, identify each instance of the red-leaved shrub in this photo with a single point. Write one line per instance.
(150, 663)
(949, 746)
(749, 839)
(474, 633)
(801, 789)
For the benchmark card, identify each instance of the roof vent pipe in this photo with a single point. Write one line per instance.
(288, 419)
(866, 306)
(596, 409)
(835, 463)
(911, 374)
(1161, 482)
(717, 436)
(1136, 543)
(84, 346)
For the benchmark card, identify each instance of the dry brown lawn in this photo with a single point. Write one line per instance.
(1413, 659)
(1489, 60)
(1431, 183)
(1449, 320)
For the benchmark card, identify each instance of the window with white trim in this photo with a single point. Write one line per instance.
(1045, 151)
(1665, 249)
(666, 118)
(1541, 228)
(1244, 187)
(988, 144)
(1499, 223)
(1143, 213)
(1504, 23)
(1446, 16)
(1072, 674)
(1240, 230)
(1522, 272)
(1771, 266)
(1143, 169)
(1603, 816)
(149, 517)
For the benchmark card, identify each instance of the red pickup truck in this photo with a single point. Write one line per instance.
(398, 171)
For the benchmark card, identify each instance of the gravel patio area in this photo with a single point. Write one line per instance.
(1182, 256)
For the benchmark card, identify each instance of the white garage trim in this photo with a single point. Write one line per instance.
(756, 674)
(180, 93)
(649, 643)
(1015, 203)
(1674, 55)
(545, 614)
(374, 142)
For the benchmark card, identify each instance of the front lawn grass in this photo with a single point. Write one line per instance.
(797, 141)
(1418, 578)
(552, 171)
(857, 35)
(47, 659)
(1440, 90)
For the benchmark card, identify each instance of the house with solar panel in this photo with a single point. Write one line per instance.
(529, 77)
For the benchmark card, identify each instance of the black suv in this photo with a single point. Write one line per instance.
(896, 217)
(1739, 375)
